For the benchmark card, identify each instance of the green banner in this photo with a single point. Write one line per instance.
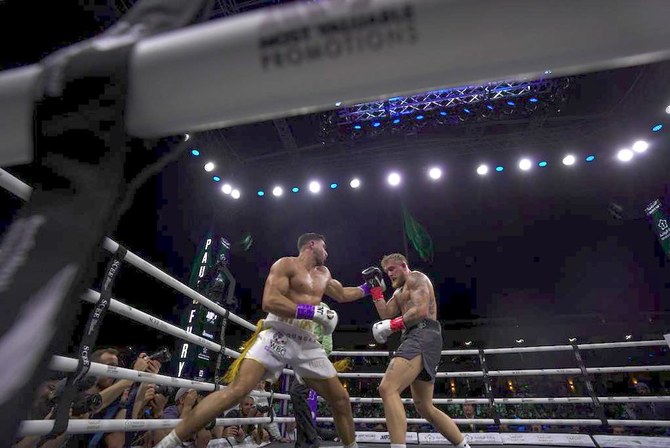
(659, 218)
(418, 236)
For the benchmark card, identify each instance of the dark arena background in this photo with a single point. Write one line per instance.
(530, 185)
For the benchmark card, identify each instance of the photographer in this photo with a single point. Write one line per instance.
(247, 409)
(263, 410)
(185, 400)
(114, 402)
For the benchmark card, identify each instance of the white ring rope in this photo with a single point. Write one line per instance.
(64, 364)
(514, 401)
(508, 350)
(521, 421)
(42, 427)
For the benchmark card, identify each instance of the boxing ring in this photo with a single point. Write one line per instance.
(267, 81)
(84, 426)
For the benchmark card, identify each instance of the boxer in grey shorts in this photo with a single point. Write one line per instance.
(425, 339)
(412, 309)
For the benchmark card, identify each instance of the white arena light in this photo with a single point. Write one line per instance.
(209, 167)
(667, 110)
(393, 179)
(186, 137)
(277, 191)
(569, 160)
(625, 155)
(482, 170)
(226, 188)
(314, 186)
(235, 194)
(435, 173)
(525, 164)
(640, 146)
(355, 183)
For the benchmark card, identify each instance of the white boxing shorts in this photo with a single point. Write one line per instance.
(286, 344)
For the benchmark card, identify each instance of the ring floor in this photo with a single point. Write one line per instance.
(386, 445)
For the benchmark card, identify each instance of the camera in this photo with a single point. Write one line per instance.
(162, 355)
(166, 391)
(83, 401)
(263, 409)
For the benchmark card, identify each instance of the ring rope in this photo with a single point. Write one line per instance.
(509, 350)
(522, 421)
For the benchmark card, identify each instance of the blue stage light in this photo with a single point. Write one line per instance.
(295, 189)
(466, 110)
(216, 179)
(510, 103)
(499, 168)
(489, 107)
(396, 121)
(590, 158)
(195, 152)
(542, 164)
(376, 124)
(357, 126)
(260, 193)
(333, 185)
(657, 127)
(443, 113)
(533, 100)
(419, 117)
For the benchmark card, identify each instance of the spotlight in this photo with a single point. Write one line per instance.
(260, 193)
(466, 110)
(542, 164)
(667, 110)
(657, 127)
(186, 137)
(396, 121)
(355, 183)
(419, 117)
(533, 100)
(571, 340)
(216, 179)
(482, 170)
(195, 152)
(277, 191)
(393, 179)
(499, 169)
(640, 146)
(625, 155)
(435, 173)
(338, 104)
(520, 341)
(209, 167)
(511, 103)
(443, 113)
(235, 194)
(357, 127)
(333, 186)
(629, 337)
(489, 107)
(226, 188)
(468, 343)
(376, 124)
(590, 158)
(295, 189)
(314, 186)
(569, 160)
(525, 164)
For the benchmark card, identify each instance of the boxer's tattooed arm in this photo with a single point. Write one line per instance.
(419, 299)
(389, 309)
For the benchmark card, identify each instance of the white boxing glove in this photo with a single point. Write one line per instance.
(322, 315)
(383, 329)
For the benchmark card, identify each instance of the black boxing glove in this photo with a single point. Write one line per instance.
(374, 283)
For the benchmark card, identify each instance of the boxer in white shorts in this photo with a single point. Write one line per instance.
(293, 290)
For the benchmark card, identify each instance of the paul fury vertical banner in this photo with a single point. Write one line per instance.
(206, 278)
(658, 214)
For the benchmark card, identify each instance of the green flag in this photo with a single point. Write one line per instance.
(418, 235)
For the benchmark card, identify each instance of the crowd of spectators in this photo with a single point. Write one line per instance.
(107, 398)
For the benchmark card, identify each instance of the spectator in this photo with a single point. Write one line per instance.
(470, 414)
(247, 409)
(185, 400)
(263, 408)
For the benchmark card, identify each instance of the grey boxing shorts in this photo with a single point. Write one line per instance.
(425, 339)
